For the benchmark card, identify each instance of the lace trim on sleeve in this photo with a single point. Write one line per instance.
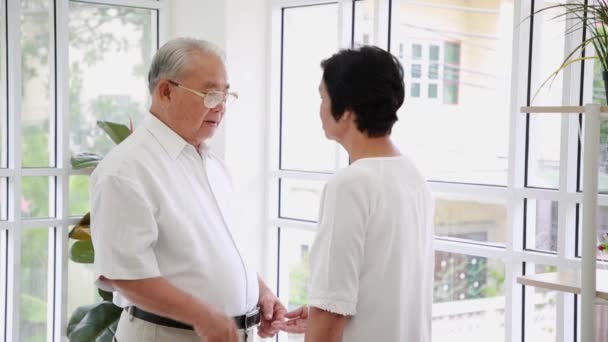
(333, 303)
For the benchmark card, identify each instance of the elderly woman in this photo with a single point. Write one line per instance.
(372, 260)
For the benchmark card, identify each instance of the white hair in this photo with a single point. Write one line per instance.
(172, 58)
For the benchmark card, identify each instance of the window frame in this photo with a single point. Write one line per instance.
(11, 230)
(516, 191)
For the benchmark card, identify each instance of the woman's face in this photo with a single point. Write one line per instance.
(330, 126)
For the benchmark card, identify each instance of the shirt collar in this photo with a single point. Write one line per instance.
(171, 142)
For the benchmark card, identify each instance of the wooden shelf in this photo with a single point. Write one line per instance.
(566, 282)
(558, 109)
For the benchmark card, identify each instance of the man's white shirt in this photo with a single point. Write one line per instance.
(160, 208)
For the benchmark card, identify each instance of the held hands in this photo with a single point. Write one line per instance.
(296, 323)
(271, 313)
(216, 327)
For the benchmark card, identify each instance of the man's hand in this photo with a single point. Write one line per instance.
(296, 323)
(161, 297)
(271, 311)
(216, 327)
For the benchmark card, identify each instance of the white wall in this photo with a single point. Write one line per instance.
(241, 28)
(202, 19)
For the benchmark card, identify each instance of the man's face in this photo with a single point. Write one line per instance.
(188, 115)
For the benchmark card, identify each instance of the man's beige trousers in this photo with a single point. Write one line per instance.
(133, 329)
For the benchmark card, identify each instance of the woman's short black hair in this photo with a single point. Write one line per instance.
(368, 81)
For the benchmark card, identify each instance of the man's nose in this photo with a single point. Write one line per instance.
(220, 107)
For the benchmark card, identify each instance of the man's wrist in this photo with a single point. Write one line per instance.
(200, 315)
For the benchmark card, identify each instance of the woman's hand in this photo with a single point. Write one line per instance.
(296, 323)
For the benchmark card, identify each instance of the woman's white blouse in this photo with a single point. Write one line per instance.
(373, 256)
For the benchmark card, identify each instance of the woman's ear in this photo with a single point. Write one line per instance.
(348, 115)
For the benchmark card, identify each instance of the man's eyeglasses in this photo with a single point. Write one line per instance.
(211, 99)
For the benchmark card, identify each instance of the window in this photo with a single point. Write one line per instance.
(415, 90)
(451, 73)
(428, 67)
(302, 44)
(506, 185)
(41, 197)
(468, 290)
(432, 93)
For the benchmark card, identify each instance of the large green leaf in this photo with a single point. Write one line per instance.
(85, 221)
(106, 295)
(108, 333)
(82, 231)
(99, 319)
(77, 316)
(117, 132)
(82, 252)
(85, 160)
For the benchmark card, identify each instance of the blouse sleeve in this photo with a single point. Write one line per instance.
(337, 253)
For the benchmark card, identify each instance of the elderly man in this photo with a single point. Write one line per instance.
(162, 214)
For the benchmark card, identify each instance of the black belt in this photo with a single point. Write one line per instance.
(242, 322)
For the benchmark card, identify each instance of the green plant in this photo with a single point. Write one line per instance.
(95, 322)
(593, 17)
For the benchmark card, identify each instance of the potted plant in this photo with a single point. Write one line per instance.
(95, 322)
(593, 17)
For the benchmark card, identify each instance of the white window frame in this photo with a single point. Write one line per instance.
(57, 314)
(513, 253)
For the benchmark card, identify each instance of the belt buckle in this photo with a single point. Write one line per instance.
(250, 317)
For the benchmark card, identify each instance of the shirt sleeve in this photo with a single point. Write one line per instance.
(337, 253)
(124, 232)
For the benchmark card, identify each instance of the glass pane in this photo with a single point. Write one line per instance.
(35, 199)
(79, 195)
(603, 167)
(300, 199)
(433, 71)
(3, 198)
(544, 129)
(36, 105)
(543, 151)
(364, 22)
(432, 91)
(541, 225)
(305, 45)
(540, 309)
(107, 40)
(3, 268)
(471, 218)
(81, 286)
(3, 100)
(601, 320)
(469, 301)
(416, 71)
(599, 92)
(294, 273)
(450, 94)
(34, 281)
(434, 53)
(415, 90)
(602, 229)
(416, 51)
(444, 137)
